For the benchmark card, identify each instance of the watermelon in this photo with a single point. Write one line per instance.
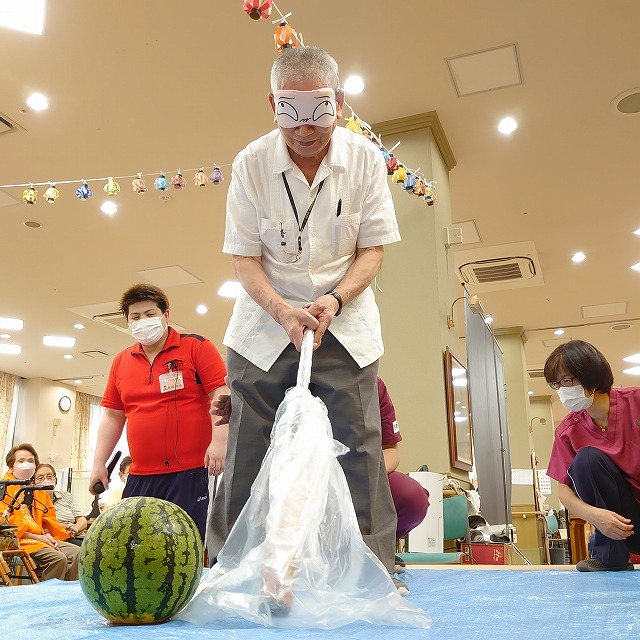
(141, 561)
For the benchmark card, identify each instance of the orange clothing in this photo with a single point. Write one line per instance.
(42, 516)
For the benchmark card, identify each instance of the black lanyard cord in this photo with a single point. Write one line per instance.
(295, 210)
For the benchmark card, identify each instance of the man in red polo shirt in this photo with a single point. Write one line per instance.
(162, 388)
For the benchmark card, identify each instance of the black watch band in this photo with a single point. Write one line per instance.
(338, 297)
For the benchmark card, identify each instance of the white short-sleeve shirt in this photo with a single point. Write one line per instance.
(353, 210)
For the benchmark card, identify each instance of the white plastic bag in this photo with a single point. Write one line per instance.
(295, 557)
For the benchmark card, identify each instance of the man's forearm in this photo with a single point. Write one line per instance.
(361, 273)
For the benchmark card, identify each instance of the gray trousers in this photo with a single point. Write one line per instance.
(351, 396)
(61, 563)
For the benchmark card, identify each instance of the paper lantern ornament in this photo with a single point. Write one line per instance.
(399, 175)
(419, 188)
(30, 195)
(112, 188)
(138, 184)
(285, 36)
(216, 176)
(51, 194)
(409, 183)
(257, 9)
(353, 124)
(200, 179)
(392, 164)
(178, 182)
(161, 183)
(83, 192)
(428, 195)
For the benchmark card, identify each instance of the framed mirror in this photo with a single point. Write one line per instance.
(458, 412)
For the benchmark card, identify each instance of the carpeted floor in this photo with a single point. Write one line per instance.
(486, 604)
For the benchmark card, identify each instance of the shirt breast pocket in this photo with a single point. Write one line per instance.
(279, 238)
(345, 233)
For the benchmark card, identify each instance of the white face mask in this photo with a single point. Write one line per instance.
(23, 470)
(147, 330)
(573, 398)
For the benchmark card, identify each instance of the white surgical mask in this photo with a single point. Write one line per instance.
(23, 470)
(573, 398)
(147, 330)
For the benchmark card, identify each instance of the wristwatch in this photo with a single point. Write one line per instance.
(338, 297)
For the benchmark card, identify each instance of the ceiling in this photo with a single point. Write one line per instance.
(150, 87)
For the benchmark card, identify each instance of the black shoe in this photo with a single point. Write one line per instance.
(597, 565)
(399, 565)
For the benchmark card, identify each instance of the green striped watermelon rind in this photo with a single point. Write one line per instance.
(141, 561)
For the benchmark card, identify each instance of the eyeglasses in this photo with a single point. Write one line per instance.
(564, 382)
(47, 477)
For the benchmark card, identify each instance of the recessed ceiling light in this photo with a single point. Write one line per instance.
(530, 393)
(4, 336)
(23, 15)
(37, 102)
(354, 84)
(68, 356)
(635, 267)
(578, 257)
(507, 126)
(32, 224)
(78, 381)
(621, 326)
(202, 309)
(58, 341)
(633, 359)
(558, 332)
(78, 325)
(10, 349)
(627, 103)
(230, 289)
(637, 232)
(634, 371)
(109, 207)
(11, 324)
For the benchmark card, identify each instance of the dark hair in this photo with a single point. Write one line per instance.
(25, 446)
(44, 464)
(582, 361)
(126, 462)
(141, 293)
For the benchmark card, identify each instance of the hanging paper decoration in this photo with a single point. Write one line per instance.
(83, 192)
(51, 194)
(353, 124)
(161, 183)
(138, 184)
(399, 175)
(178, 181)
(409, 183)
(200, 179)
(216, 175)
(419, 188)
(112, 188)
(285, 36)
(392, 164)
(30, 195)
(257, 9)
(428, 194)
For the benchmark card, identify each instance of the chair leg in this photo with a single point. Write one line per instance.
(4, 572)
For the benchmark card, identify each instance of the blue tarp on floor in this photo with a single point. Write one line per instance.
(463, 605)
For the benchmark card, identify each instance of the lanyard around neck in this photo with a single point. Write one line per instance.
(295, 212)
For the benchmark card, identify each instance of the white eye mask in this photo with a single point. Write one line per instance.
(316, 108)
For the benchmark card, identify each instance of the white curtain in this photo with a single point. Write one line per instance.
(8, 405)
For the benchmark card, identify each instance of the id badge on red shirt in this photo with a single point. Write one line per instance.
(171, 381)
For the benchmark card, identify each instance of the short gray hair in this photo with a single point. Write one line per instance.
(300, 63)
